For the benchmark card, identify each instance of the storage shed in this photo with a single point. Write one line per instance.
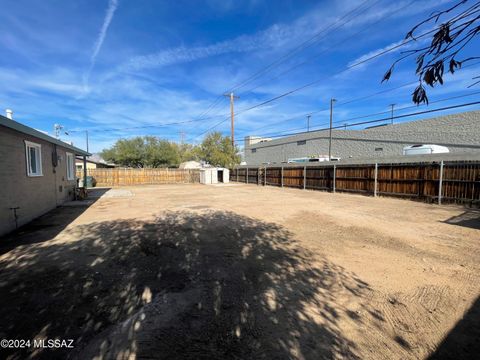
(208, 176)
(214, 175)
(223, 175)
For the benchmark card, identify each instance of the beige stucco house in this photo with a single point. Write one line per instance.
(37, 173)
(92, 164)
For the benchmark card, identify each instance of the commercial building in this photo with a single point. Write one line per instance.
(460, 133)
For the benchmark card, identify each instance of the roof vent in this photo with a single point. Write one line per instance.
(9, 113)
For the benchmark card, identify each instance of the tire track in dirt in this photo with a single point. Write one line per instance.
(395, 319)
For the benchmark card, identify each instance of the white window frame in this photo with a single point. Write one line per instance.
(38, 152)
(71, 166)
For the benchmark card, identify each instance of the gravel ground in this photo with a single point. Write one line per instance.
(244, 272)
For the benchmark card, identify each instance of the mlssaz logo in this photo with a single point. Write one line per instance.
(53, 343)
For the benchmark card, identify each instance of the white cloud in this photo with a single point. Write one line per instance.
(57, 80)
(276, 37)
(181, 54)
(281, 37)
(378, 51)
(112, 6)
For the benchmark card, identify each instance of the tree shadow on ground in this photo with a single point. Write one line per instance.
(190, 285)
(463, 341)
(469, 218)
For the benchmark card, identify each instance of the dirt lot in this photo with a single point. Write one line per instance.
(244, 272)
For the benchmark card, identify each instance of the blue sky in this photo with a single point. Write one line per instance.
(108, 65)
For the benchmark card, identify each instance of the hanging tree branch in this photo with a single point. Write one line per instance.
(448, 41)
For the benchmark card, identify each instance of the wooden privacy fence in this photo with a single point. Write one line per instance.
(124, 176)
(453, 181)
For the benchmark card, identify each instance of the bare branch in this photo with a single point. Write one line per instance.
(448, 40)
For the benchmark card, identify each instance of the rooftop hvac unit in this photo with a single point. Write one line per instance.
(424, 149)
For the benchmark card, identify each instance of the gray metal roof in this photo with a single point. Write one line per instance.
(11, 124)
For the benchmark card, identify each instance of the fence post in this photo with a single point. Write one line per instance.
(265, 177)
(304, 177)
(440, 184)
(334, 177)
(236, 170)
(376, 181)
(282, 176)
(246, 177)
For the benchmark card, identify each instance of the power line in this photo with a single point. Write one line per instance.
(211, 128)
(353, 65)
(366, 97)
(412, 106)
(289, 119)
(301, 46)
(337, 73)
(341, 104)
(306, 44)
(344, 124)
(149, 126)
(277, 97)
(385, 119)
(340, 42)
(358, 63)
(289, 54)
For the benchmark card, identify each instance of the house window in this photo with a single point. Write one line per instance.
(70, 166)
(254, 150)
(302, 142)
(33, 154)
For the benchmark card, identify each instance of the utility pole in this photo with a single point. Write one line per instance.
(331, 125)
(391, 119)
(308, 122)
(57, 128)
(182, 136)
(232, 115)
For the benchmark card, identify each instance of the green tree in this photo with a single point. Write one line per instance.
(188, 152)
(218, 150)
(160, 153)
(146, 151)
(126, 152)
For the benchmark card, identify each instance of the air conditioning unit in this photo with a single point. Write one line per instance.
(423, 149)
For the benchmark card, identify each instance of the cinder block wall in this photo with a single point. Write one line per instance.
(33, 195)
(459, 132)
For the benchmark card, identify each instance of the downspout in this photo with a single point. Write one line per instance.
(85, 173)
(54, 167)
